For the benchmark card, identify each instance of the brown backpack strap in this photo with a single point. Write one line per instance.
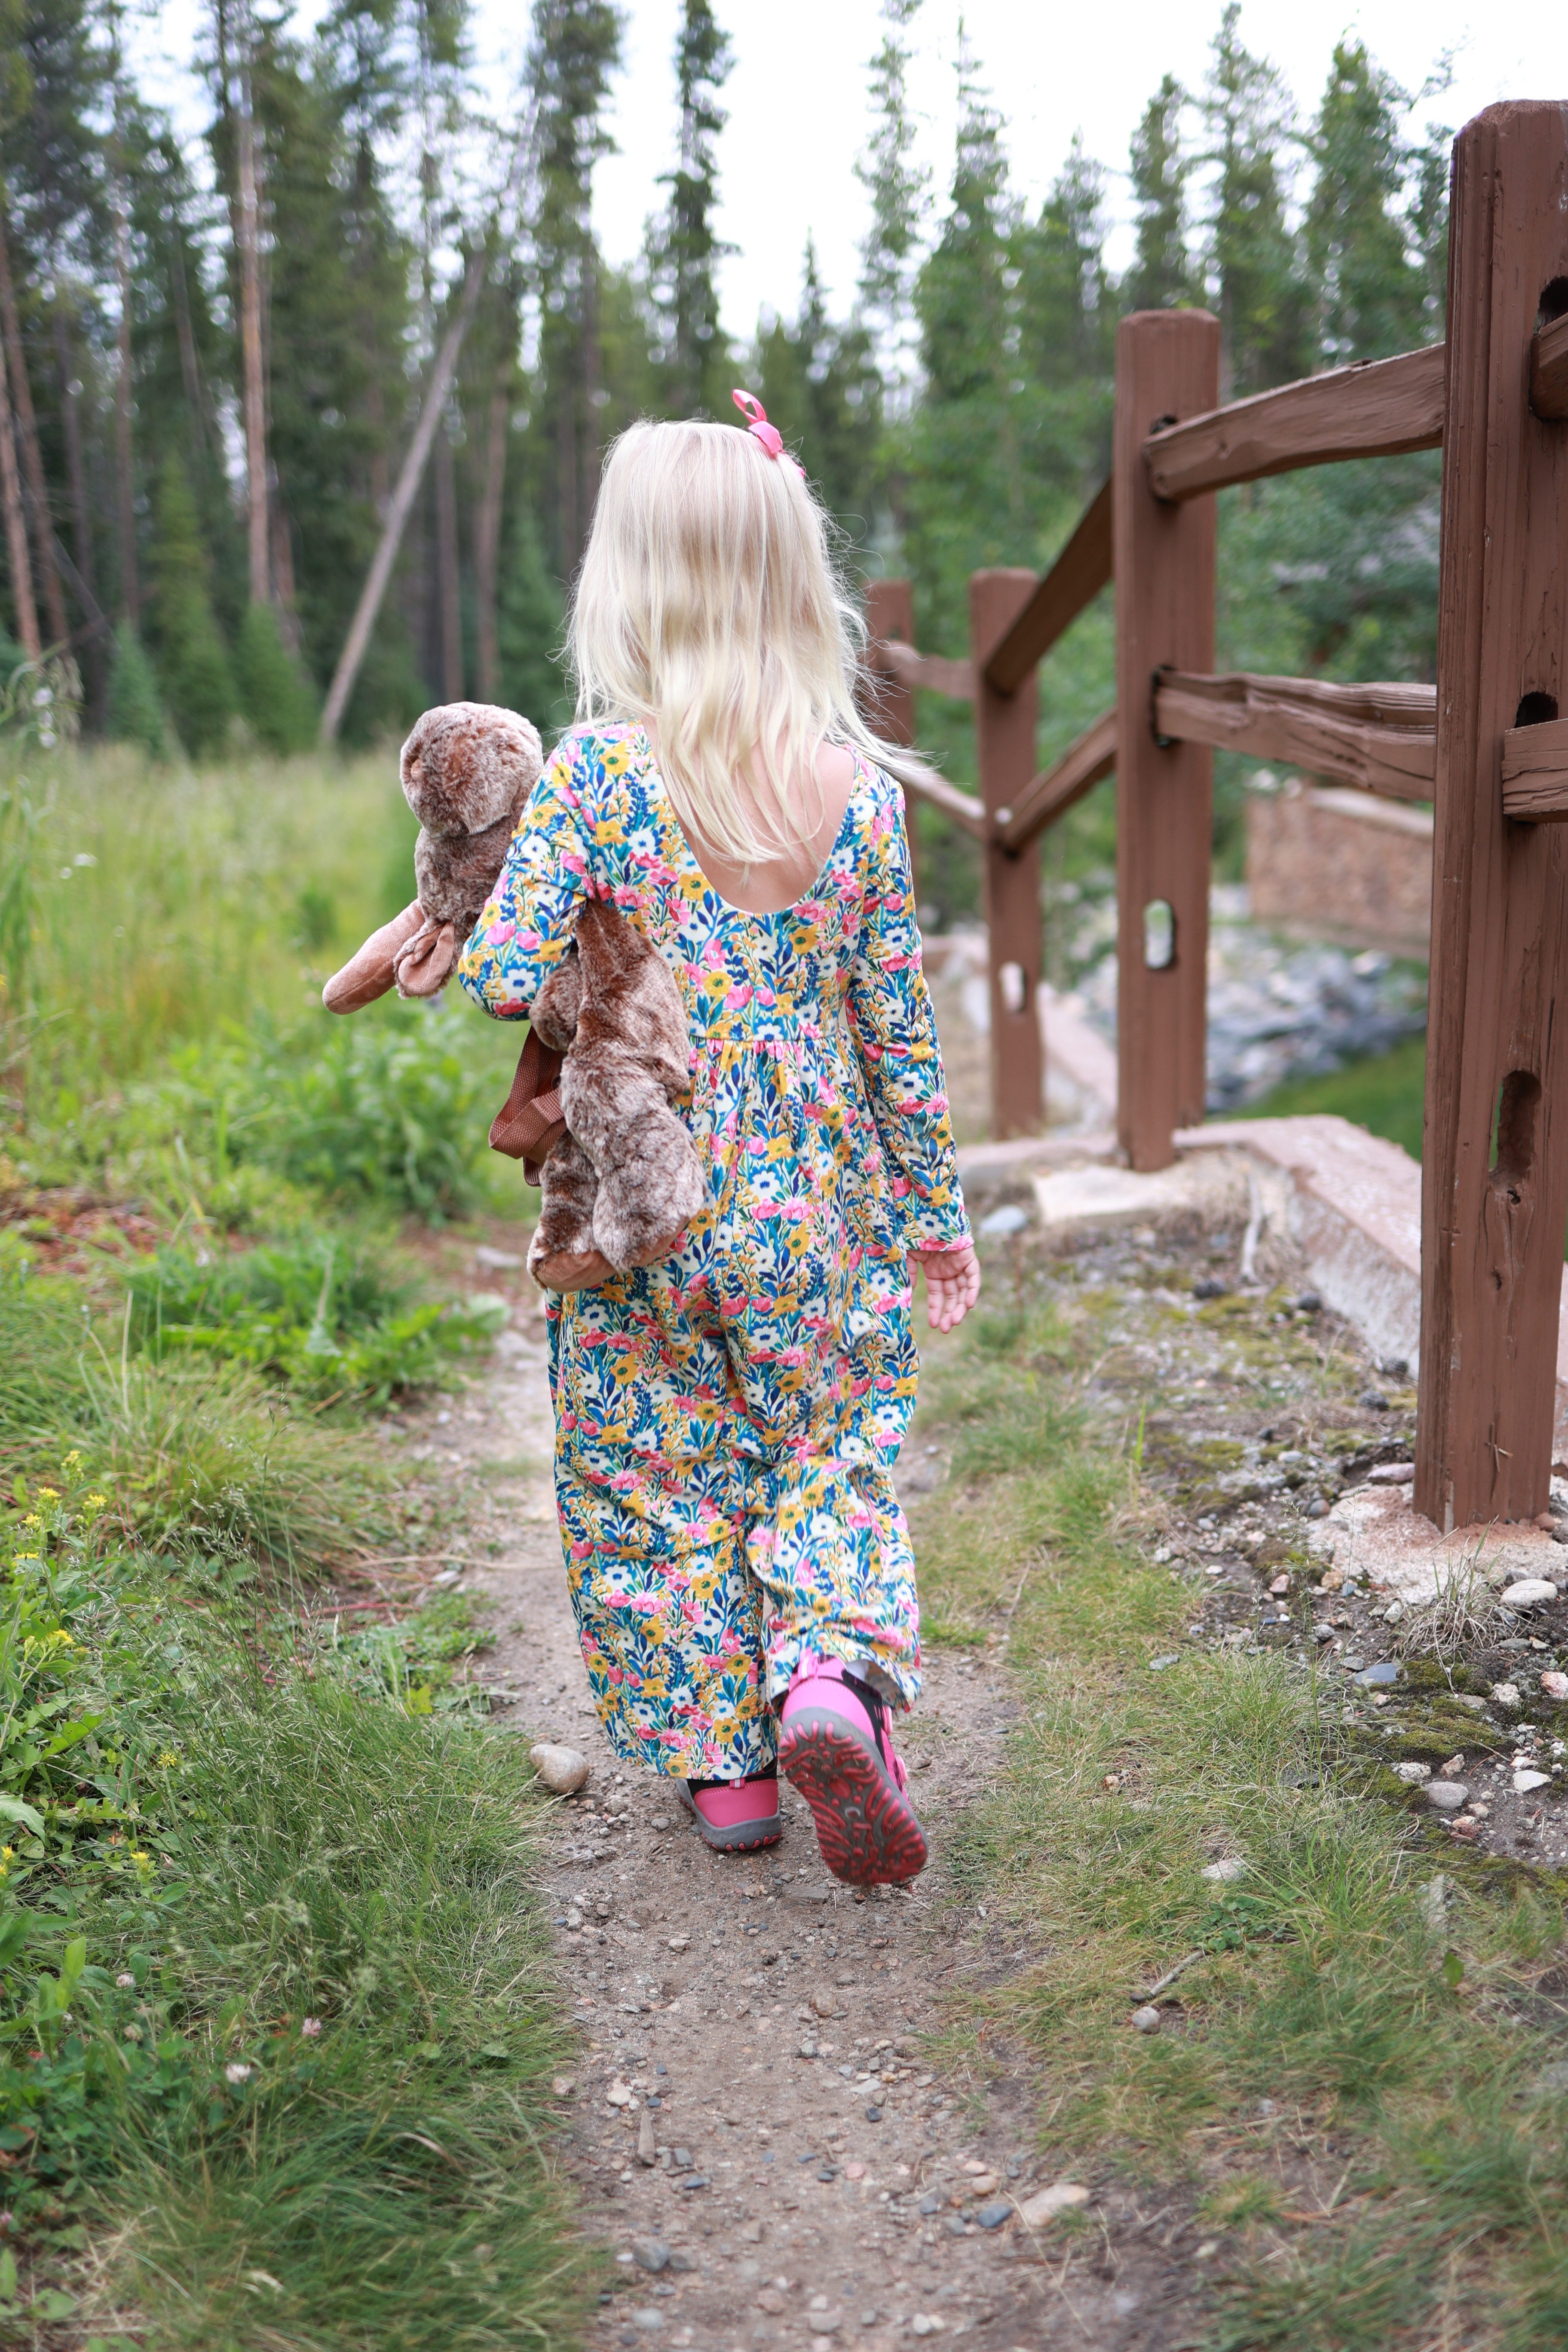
(529, 1124)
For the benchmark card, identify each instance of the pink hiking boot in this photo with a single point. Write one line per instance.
(734, 1816)
(834, 1746)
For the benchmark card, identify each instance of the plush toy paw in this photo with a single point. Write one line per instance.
(562, 1255)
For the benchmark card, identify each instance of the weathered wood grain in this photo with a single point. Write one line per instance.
(1004, 744)
(891, 617)
(1381, 738)
(1373, 410)
(1061, 786)
(1491, 1250)
(1548, 371)
(1167, 365)
(1535, 773)
(1074, 580)
(934, 672)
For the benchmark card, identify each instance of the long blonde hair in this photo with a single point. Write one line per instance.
(708, 609)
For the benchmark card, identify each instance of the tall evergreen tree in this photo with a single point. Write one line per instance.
(1264, 305)
(193, 661)
(899, 191)
(683, 247)
(1370, 289)
(819, 385)
(1161, 278)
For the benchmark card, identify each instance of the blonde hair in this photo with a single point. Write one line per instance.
(708, 609)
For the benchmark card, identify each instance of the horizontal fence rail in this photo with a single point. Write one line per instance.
(1379, 409)
(934, 672)
(1064, 783)
(1548, 371)
(1535, 772)
(1382, 739)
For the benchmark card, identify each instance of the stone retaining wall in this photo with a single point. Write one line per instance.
(1341, 864)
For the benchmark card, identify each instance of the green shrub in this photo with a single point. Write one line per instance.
(274, 694)
(136, 713)
(198, 682)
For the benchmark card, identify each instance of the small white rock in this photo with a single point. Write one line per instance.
(1555, 1684)
(1524, 1781)
(618, 2094)
(1047, 2203)
(562, 1770)
(1448, 1796)
(1147, 2019)
(1530, 1592)
(1232, 1867)
(1392, 1474)
(1413, 1772)
(926, 2323)
(1506, 1695)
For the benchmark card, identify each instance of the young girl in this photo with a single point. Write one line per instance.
(726, 1421)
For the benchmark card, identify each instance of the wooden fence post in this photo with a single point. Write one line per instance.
(1496, 1052)
(1005, 727)
(1167, 367)
(891, 619)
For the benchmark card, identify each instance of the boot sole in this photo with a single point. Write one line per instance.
(866, 1827)
(740, 1837)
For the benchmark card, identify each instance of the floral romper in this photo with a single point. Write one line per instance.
(726, 1421)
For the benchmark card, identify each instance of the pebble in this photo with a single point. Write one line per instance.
(1392, 1474)
(1158, 1665)
(1047, 2203)
(925, 2323)
(1530, 1592)
(1524, 1781)
(824, 2004)
(562, 1770)
(1281, 1584)
(647, 2152)
(1446, 1796)
(1009, 1219)
(564, 2085)
(1413, 1772)
(992, 2217)
(1505, 1695)
(1555, 1684)
(1147, 2019)
(650, 2253)
(618, 2094)
(1552, 2078)
(1224, 1873)
(1378, 1677)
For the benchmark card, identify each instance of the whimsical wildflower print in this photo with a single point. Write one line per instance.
(726, 1421)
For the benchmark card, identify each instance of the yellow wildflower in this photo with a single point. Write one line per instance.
(48, 1494)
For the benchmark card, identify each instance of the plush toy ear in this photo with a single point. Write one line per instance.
(370, 973)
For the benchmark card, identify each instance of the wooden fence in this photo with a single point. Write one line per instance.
(1485, 744)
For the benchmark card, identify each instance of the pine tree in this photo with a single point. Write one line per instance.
(1161, 278)
(1263, 302)
(136, 713)
(819, 385)
(900, 189)
(273, 695)
(192, 662)
(1370, 291)
(683, 248)
(529, 621)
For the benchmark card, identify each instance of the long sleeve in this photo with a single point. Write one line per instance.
(894, 1029)
(527, 925)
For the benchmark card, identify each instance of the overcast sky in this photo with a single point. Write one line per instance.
(797, 98)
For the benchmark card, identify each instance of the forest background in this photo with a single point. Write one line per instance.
(216, 361)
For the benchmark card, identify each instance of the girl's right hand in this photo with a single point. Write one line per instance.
(952, 1285)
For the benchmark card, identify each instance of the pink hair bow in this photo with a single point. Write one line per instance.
(756, 417)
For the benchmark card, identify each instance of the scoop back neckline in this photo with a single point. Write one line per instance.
(752, 914)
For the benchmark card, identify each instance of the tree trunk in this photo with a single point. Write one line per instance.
(591, 374)
(190, 374)
(130, 594)
(250, 343)
(486, 535)
(15, 528)
(82, 512)
(451, 614)
(32, 458)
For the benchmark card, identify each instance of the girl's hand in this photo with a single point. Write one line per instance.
(952, 1285)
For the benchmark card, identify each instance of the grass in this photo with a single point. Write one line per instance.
(277, 2024)
(1385, 1094)
(1393, 2055)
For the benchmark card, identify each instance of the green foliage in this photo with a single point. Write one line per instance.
(198, 683)
(273, 696)
(1385, 1094)
(529, 627)
(1161, 274)
(317, 1311)
(694, 361)
(136, 713)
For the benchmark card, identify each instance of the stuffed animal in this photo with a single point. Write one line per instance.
(590, 1112)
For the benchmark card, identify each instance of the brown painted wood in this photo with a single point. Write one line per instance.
(1535, 773)
(1491, 1248)
(933, 672)
(1167, 365)
(952, 801)
(1061, 786)
(1005, 742)
(1549, 370)
(1381, 738)
(1074, 580)
(1372, 410)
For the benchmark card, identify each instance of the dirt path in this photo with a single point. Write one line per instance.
(759, 2126)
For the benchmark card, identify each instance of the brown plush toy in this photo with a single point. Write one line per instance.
(590, 1110)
